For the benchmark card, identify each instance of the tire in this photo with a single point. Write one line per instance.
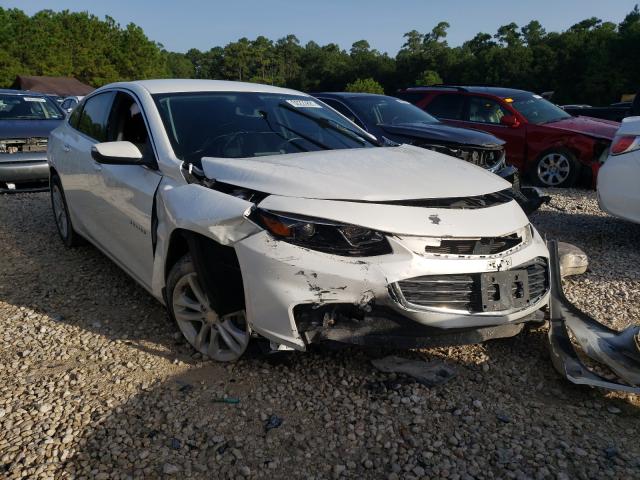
(556, 168)
(224, 338)
(61, 216)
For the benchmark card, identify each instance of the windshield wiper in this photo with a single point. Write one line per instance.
(295, 132)
(326, 123)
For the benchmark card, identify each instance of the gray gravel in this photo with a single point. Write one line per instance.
(95, 382)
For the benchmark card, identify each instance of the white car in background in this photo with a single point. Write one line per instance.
(251, 210)
(619, 177)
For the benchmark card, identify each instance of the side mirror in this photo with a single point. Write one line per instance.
(116, 153)
(510, 121)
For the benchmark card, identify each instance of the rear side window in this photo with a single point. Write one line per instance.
(93, 120)
(485, 110)
(447, 105)
(74, 118)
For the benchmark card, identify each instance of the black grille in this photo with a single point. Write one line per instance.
(464, 292)
(479, 246)
(458, 203)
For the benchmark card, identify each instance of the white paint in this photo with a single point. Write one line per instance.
(372, 174)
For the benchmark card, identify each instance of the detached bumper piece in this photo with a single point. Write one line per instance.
(618, 351)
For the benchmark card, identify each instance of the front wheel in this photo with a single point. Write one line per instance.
(556, 168)
(221, 337)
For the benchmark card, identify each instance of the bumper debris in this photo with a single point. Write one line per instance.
(618, 351)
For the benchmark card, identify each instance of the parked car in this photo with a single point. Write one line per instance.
(254, 210)
(619, 178)
(69, 103)
(402, 122)
(616, 111)
(397, 120)
(555, 148)
(26, 118)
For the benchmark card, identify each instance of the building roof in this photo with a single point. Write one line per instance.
(62, 86)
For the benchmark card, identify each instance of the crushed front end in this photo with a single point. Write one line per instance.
(23, 164)
(402, 275)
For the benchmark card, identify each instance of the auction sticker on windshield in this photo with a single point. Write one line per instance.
(303, 104)
(34, 99)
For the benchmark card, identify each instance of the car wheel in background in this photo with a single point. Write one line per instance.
(68, 235)
(221, 337)
(556, 168)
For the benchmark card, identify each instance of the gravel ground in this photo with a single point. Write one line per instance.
(95, 382)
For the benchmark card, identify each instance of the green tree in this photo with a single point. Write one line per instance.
(429, 77)
(364, 85)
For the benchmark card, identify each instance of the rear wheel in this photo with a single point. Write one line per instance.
(68, 235)
(222, 337)
(556, 168)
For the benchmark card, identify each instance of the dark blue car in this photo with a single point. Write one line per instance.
(401, 122)
(26, 119)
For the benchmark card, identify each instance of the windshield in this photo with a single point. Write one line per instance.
(248, 124)
(538, 110)
(22, 107)
(388, 110)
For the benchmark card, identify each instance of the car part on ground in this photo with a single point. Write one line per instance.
(26, 119)
(431, 373)
(544, 141)
(618, 192)
(619, 352)
(573, 261)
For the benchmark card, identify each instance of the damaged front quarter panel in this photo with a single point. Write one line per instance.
(618, 351)
(199, 209)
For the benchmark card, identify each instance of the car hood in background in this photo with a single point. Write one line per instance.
(365, 174)
(27, 128)
(594, 127)
(442, 133)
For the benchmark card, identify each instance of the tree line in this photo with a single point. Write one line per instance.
(593, 61)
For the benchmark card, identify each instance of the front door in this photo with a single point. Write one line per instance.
(127, 193)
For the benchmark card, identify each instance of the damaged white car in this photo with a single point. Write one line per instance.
(252, 210)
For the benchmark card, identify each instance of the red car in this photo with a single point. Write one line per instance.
(552, 147)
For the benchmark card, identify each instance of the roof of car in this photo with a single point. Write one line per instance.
(346, 94)
(497, 91)
(10, 91)
(193, 85)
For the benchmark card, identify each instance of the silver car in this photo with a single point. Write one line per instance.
(26, 119)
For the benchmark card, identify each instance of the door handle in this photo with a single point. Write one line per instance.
(97, 167)
(66, 148)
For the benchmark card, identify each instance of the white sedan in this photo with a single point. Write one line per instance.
(619, 177)
(255, 211)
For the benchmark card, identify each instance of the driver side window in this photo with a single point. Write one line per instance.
(126, 124)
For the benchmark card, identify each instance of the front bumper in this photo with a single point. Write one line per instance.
(283, 281)
(618, 192)
(23, 172)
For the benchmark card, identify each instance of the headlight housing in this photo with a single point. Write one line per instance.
(323, 235)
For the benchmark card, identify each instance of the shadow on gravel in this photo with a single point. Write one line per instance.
(506, 411)
(79, 286)
(514, 414)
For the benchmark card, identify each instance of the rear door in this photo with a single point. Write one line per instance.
(127, 193)
(79, 168)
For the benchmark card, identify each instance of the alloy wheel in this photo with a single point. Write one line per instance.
(554, 169)
(223, 338)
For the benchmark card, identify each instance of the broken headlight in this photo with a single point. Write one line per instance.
(323, 235)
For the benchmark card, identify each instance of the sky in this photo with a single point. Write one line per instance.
(184, 24)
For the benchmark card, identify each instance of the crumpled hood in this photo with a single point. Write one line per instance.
(440, 132)
(366, 174)
(27, 128)
(594, 127)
